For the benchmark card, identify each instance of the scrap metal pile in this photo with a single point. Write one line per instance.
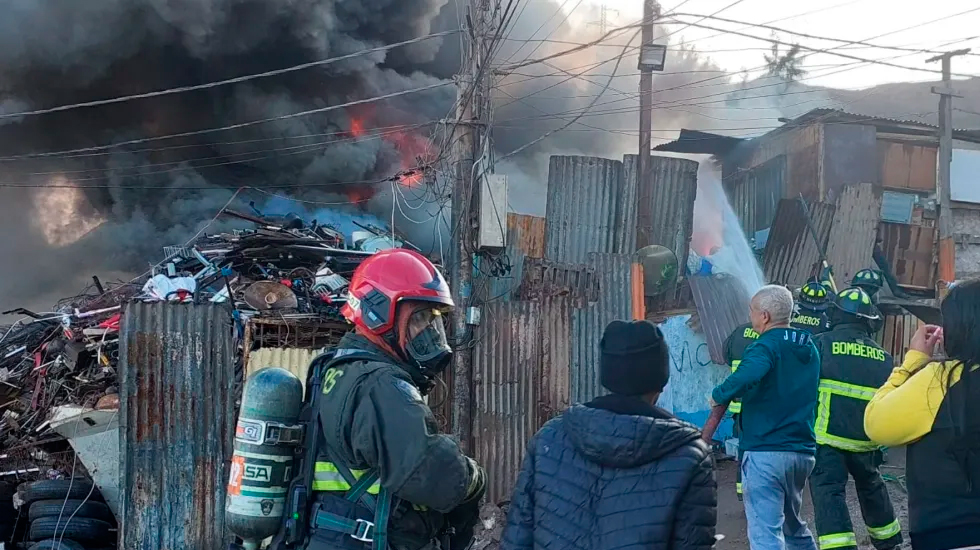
(284, 268)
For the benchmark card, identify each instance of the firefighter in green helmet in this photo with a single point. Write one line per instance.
(852, 368)
(812, 312)
(869, 281)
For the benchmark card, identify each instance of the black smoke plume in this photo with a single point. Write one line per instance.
(157, 193)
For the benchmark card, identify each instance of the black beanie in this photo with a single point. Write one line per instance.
(634, 358)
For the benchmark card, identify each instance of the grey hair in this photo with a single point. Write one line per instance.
(776, 300)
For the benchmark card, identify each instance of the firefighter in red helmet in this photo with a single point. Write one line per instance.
(385, 477)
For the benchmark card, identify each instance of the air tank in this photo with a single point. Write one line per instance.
(266, 438)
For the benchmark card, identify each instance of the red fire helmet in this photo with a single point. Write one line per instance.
(386, 278)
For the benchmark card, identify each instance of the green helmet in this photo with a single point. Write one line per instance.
(868, 279)
(814, 295)
(856, 301)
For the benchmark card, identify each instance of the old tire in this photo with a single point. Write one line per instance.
(78, 529)
(66, 509)
(52, 544)
(59, 489)
(8, 514)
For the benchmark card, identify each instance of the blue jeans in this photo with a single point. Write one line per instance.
(772, 487)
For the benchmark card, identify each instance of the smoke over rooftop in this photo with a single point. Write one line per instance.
(109, 211)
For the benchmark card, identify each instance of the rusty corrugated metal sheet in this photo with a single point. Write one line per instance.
(615, 272)
(530, 237)
(518, 362)
(757, 192)
(525, 239)
(546, 279)
(675, 186)
(853, 232)
(722, 304)
(587, 201)
(177, 416)
(295, 360)
(790, 254)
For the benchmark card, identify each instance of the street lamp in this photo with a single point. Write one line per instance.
(652, 57)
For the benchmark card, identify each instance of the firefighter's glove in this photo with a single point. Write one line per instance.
(478, 481)
(463, 518)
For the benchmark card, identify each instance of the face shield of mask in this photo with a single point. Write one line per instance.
(426, 340)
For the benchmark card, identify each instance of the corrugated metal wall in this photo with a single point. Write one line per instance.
(177, 399)
(525, 239)
(723, 304)
(675, 186)
(520, 381)
(853, 232)
(615, 272)
(586, 196)
(790, 253)
(757, 192)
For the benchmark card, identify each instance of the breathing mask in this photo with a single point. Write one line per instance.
(426, 343)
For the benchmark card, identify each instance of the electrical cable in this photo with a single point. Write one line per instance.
(574, 120)
(235, 126)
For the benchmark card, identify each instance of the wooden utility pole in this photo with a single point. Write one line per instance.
(947, 249)
(471, 114)
(644, 191)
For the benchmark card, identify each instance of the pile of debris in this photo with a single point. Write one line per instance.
(283, 267)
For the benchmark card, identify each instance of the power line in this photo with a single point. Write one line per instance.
(574, 120)
(236, 80)
(807, 35)
(293, 150)
(233, 126)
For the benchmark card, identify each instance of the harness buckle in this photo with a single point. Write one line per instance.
(363, 530)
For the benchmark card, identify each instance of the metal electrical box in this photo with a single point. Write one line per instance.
(493, 212)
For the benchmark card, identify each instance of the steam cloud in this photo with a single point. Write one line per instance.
(159, 193)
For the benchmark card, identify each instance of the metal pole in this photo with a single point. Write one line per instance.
(644, 186)
(947, 250)
(470, 93)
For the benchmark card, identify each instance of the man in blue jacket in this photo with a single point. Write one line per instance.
(617, 472)
(777, 381)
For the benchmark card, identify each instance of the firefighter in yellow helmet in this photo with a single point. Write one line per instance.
(852, 368)
(812, 314)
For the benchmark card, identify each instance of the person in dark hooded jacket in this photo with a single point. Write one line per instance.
(618, 472)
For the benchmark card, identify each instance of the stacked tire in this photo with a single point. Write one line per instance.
(67, 515)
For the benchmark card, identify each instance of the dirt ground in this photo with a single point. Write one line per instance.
(731, 516)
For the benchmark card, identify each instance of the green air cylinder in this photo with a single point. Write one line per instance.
(266, 438)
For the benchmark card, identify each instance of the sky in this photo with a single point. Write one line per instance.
(862, 20)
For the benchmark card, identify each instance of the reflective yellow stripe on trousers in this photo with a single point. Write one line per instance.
(735, 407)
(837, 540)
(886, 532)
(829, 388)
(327, 478)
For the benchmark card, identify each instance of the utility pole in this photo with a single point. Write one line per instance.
(644, 191)
(471, 114)
(947, 249)
(603, 21)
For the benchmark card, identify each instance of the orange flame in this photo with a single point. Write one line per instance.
(410, 179)
(356, 127)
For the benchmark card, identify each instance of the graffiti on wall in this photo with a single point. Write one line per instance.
(692, 373)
